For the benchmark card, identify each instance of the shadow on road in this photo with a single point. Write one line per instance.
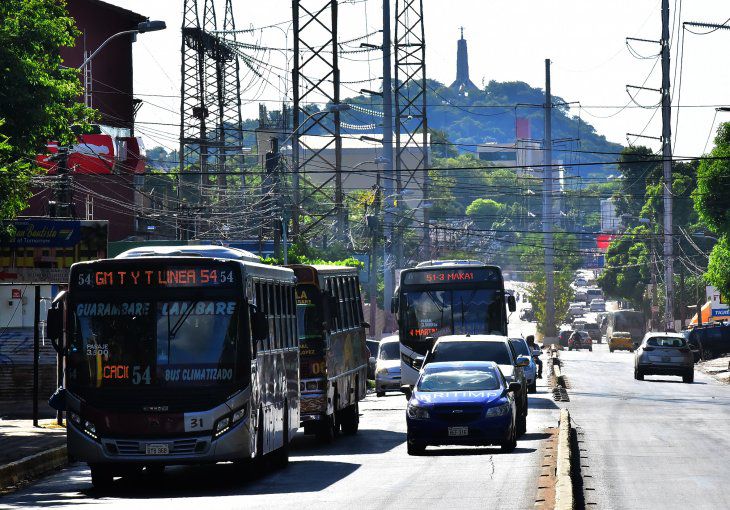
(451, 452)
(365, 442)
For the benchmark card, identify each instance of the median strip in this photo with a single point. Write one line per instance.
(564, 498)
(33, 466)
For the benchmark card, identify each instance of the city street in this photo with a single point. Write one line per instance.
(369, 470)
(652, 444)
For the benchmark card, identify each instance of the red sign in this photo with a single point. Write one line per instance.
(603, 240)
(16, 294)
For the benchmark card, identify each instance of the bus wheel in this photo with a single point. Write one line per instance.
(326, 429)
(101, 476)
(350, 419)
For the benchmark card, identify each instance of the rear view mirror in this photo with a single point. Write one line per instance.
(394, 304)
(54, 324)
(514, 387)
(522, 361)
(511, 303)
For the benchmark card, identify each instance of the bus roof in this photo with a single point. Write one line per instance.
(432, 263)
(213, 251)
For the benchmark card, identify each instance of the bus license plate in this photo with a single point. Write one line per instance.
(157, 449)
(458, 431)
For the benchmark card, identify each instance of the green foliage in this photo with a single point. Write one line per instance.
(637, 170)
(39, 96)
(484, 212)
(718, 269)
(626, 270)
(563, 296)
(300, 254)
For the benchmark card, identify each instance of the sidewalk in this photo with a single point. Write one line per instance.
(718, 368)
(19, 441)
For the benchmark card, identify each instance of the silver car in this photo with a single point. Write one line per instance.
(664, 354)
(387, 368)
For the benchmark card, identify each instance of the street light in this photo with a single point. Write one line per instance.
(704, 235)
(144, 27)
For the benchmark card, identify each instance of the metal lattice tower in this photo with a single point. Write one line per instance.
(210, 111)
(316, 79)
(411, 123)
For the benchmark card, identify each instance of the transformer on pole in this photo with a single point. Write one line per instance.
(411, 122)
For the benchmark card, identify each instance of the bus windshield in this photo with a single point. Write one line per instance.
(147, 343)
(445, 312)
(309, 313)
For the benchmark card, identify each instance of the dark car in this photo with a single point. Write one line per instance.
(580, 340)
(564, 336)
(462, 403)
(710, 341)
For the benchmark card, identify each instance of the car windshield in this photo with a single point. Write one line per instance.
(459, 380)
(472, 351)
(665, 341)
(520, 347)
(389, 350)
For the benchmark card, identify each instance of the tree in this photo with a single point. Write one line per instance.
(712, 202)
(626, 270)
(484, 212)
(638, 167)
(563, 296)
(39, 99)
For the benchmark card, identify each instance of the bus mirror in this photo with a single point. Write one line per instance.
(259, 325)
(54, 327)
(394, 304)
(511, 303)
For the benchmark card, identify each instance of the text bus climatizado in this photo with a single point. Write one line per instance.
(178, 355)
(333, 353)
(446, 297)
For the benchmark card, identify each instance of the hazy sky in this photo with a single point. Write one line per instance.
(508, 41)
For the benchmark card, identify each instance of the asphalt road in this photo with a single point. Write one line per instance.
(654, 444)
(369, 470)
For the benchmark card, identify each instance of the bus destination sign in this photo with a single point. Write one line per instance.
(451, 275)
(169, 277)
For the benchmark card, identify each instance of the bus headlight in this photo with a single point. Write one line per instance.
(239, 415)
(222, 425)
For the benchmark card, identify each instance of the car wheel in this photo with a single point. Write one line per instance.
(101, 476)
(521, 425)
(590, 348)
(379, 393)
(326, 430)
(570, 347)
(532, 388)
(350, 419)
(689, 378)
(511, 442)
(610, 350)
(638, 374)
(415, 448)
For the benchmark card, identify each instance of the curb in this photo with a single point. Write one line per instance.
(32, 466)
(564, 499)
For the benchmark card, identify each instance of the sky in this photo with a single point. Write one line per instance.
(508, 40)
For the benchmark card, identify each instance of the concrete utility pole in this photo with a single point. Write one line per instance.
(667, 166)
(547, 213)
(388, 265)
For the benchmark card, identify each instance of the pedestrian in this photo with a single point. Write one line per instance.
(536, 352)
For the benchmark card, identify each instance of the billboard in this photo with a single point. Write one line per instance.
(41, 250)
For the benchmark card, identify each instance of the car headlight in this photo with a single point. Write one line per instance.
(500, 410)
(417, 412)
(382, 371)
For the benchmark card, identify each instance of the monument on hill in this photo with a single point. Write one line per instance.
(462, 84)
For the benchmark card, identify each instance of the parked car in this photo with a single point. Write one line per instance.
(711, 341)
(664, 354)
(621, 340)
(372, 346)
(464, 403)
(487, 348)
(580, 340)
(522, 349)
(387, 368)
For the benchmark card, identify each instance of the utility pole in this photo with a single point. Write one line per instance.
(388, 265)
(373, 281)
(667, 166)
(272, 175)
(547, 213)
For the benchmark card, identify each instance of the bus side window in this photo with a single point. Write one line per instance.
(280, 316)
(355, 303)
(271, 314)
(334, 310)
(358, 302)
(349, 292)
(342, 297)
(259, 304)
(291, 303)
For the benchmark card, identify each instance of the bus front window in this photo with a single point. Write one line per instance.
(168, 343)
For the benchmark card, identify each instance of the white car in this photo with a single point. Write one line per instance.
(387, 366)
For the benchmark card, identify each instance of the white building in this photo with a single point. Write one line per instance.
(610, 221)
